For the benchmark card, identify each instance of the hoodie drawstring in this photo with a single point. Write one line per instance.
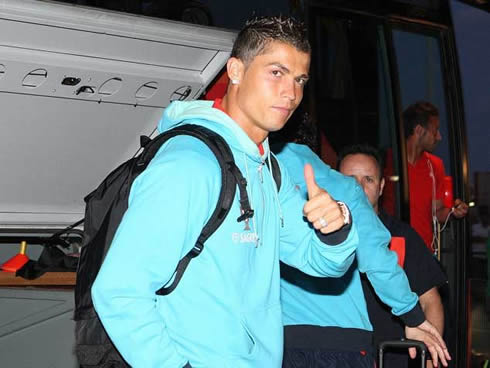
(276, 192)
(258, 239)
(250, 196)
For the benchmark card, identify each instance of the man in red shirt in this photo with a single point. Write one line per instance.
(426, 172)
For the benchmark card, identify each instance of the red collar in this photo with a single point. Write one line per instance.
(217, 105)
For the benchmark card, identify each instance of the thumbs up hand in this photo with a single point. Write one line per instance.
(321, 210)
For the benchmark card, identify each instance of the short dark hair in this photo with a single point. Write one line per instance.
(418, 113)
(363, 149)
(258, 32)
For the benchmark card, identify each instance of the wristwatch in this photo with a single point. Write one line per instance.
(345, 212)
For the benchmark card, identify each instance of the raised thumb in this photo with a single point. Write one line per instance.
(311, 185)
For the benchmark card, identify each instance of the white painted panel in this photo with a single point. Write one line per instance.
(55, 151)
(57, 142)
(62, 28)
(36, 328)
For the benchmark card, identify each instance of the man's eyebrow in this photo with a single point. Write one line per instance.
(287, 71)
(279, 65)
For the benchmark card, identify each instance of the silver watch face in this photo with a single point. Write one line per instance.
(345, 212)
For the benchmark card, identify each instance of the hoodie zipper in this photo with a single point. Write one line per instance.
(250, 196)
(260, 172)
(261, 175)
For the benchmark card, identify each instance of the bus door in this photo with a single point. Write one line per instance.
(368, 65)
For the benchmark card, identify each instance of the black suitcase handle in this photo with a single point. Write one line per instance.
(403, 343)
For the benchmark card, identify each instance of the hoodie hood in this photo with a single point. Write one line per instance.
(202, 113)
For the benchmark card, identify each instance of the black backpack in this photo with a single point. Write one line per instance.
(105, 207)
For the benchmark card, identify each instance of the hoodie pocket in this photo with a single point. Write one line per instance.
(264, 332)
(252, 347)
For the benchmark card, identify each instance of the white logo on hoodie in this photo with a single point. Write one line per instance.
(240, 238)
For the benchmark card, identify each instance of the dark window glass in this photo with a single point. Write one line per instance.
(353, 94)
(421, 79)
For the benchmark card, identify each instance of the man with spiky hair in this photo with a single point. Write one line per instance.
(226, 310)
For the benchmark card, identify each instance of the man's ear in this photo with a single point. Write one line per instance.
(235, 69)
(419, 130)
(381, 186)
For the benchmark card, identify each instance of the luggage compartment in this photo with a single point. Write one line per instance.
(78, 86)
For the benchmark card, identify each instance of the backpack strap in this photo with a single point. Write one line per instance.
(230, 177)
(276, 171)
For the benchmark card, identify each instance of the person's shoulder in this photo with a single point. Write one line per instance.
(182, 166)
(438, 167)
(395, 225)
(415, 244)
(188, 155)
(294, 150)
(435, 160)
(323, 172)
(390, 222)
(295, 156)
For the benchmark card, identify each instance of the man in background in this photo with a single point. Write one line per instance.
(424, 273)
(426, 173)
(326, 320)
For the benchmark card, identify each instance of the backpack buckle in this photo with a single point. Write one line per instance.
(197, 249)
(247, 213)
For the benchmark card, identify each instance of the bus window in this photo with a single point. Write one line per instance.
(421, 79)
(422, 76)
(367, 68)
(352, 89)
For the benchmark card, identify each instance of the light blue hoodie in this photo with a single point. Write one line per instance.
(340, 302)
(226, 310)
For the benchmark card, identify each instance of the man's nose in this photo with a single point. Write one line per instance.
(438, 136)
(289, 90)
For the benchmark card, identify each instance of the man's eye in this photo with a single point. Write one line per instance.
(302, 81)
(276, 73)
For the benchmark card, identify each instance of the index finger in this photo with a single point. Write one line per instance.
(440, 352)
